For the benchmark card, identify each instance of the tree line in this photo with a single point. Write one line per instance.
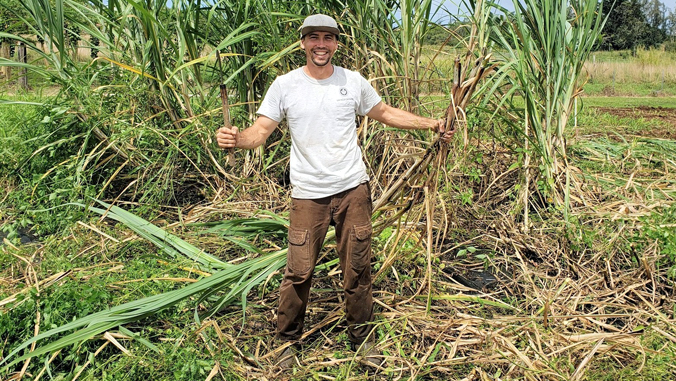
(638, 23)
(631, 24)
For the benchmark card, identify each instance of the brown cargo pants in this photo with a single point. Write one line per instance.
(350, 213)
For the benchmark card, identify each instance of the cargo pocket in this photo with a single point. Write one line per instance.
(361, 247)
(298, 258)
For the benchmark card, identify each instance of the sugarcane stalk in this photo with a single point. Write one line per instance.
(226, 120)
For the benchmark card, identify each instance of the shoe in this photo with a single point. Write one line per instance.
(286, 359)
(370, 356)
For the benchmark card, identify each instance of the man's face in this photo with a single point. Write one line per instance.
(319, 47)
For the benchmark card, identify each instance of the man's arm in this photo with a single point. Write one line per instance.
(249, 138)
(399, 118)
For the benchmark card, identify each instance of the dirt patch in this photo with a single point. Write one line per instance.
(666, 129)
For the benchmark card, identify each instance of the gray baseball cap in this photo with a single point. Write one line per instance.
(319, 22)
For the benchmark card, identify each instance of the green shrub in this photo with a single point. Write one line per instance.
(670, 46)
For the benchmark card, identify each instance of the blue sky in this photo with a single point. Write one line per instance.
(455, 7)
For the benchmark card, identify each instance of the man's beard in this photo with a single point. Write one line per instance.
(320, 63)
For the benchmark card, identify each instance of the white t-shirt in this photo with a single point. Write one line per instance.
(325, 156)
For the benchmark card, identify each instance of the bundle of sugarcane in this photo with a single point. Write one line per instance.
(465, 80)
(468, 72)
(419, 184)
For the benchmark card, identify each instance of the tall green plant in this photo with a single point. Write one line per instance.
(150, 87)
(385, 39)
(546, 44)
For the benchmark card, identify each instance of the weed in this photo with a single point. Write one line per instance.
(659, 228)
(657, 365)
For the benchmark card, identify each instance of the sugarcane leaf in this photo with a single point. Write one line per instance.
(140, 339)
(164, 240)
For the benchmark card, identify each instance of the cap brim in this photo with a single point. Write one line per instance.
(309, 29)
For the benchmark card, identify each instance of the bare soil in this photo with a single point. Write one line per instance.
(666, 129)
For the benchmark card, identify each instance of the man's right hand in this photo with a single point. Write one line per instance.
(227, 137)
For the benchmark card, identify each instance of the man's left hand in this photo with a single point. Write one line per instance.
(445, 135)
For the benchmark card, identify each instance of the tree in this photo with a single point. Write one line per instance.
(656, 17)
(671, 25)
(627, 26)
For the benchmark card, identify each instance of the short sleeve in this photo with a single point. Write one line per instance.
(369, 97)
(272, 105)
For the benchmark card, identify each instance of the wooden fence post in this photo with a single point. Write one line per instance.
(23, 78)
(5, 71)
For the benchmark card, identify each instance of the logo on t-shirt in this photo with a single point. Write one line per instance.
(343, 91)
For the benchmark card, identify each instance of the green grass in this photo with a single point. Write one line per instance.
(13, 120)
(630, 89)
(101, 277)
(598, 101)
(38, 159)
(592, 119)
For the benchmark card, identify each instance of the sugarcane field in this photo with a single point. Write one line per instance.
(337, 190)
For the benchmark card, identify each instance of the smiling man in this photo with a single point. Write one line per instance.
(329, 181)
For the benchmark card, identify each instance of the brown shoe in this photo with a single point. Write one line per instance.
(370, 356)
(286, 359)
